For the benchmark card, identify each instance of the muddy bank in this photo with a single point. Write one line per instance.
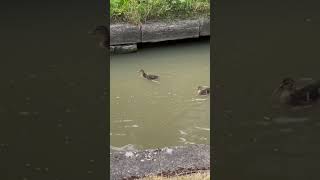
(166, 161)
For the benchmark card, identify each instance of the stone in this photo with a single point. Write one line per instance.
(123, 49)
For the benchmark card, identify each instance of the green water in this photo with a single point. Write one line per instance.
(147, 114)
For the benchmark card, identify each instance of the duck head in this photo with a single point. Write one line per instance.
(141, 71)
(287, 84)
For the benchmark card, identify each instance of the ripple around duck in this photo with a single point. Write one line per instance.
(128, 147)
(202, 128)
(190, 116)
(123, 121)
(131, 126)
(287, 120)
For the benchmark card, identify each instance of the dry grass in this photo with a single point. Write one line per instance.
(195, 176)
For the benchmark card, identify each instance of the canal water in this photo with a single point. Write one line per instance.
(259, 44)
(53, 76)
(146, 114)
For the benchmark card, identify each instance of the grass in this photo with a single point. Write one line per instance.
(194, 176)
(141, 11)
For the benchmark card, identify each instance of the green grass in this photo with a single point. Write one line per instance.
(141, 11)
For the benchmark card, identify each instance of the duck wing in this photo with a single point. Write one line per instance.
(205, 91)
(308, 93)
(151, 76)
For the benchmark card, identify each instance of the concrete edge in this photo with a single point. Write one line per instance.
(122, 34)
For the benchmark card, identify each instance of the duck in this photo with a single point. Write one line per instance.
(102, 32)
(291, 95)
(203, 90)
(148, 76)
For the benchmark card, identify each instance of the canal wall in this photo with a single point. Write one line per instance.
(125, 37)
(168, 161)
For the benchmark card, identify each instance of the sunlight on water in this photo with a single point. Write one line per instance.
(148, 114)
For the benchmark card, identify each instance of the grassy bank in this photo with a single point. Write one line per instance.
(195, 176)
(140, 11)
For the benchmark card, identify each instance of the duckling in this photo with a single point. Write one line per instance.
(102, 32)
(291, 95)
(148, 76)
(203, 90)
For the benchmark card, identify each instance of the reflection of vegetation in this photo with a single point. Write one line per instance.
(138, 11)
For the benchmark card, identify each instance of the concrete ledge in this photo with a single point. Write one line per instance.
(157, 32)
(204, 27)
(124, 34)
(130, 164)
(121, 34)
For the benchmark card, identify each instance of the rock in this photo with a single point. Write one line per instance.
(123, 49)
(157, 32)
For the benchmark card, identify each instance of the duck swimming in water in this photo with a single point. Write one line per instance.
(102, 32)
(148, 76)
(203, 90)
(291, 95)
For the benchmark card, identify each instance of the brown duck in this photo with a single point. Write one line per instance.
(148, 76)
(291, 95)
(203, 90)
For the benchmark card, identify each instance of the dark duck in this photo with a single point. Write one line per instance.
(291, 95)
(148, 76)
(102, 32)
(203, 90)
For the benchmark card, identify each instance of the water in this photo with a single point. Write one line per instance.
(255, 137)
(52, 76)
(147, 114)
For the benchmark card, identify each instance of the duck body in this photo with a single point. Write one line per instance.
(148, 76)
(306, 95)
(203, 90)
